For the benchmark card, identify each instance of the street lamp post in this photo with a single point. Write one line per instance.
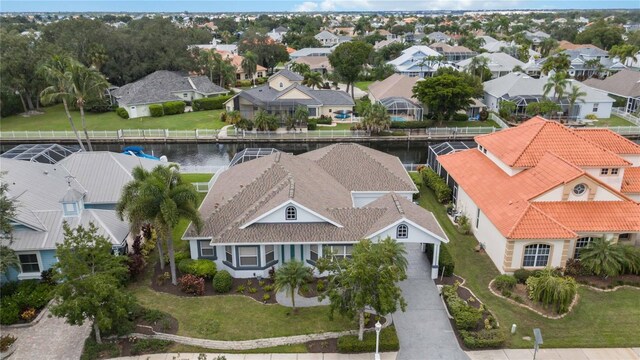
(378, 328)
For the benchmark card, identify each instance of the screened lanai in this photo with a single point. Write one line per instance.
(402, 109)
(42, 153)
(444, 149)
(522, 102)
(250, 154)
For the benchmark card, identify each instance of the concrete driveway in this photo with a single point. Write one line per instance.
(424, 330)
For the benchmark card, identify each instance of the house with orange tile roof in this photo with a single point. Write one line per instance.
(538, 193)
(236, 61)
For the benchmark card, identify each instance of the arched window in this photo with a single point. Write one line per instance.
(581, 244)
(402, 231)
(536, 255)
(291, 213)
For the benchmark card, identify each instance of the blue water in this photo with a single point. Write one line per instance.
(398, 118)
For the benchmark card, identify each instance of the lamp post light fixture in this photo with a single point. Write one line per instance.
(378, 328)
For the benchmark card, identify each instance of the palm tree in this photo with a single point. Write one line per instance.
(300, 68)
(603, 257)
(478, 66)
(574, 96)
(376, 118)
(395, 252)
(233, 117)
(313, 79)
(547, 45)
(55, 73)
(290, 277)
(264, 121)
(85, 84)
(557, 82)
(592, 64)
(163, 199)
(517, 68)
(249, 65)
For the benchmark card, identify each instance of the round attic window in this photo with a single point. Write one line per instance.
(579, 189)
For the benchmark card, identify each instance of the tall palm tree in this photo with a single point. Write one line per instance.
(313, 79)
(376, 118)
(603, 257)
(547, 45)
(574, 96)
(300, 68)
(85, 84)
(55, 72)
(478, 66)
(556, 83)
(291, 276)
(249, 65)
(163, 199)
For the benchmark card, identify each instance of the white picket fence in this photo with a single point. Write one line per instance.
(625, 115)
(498, 120)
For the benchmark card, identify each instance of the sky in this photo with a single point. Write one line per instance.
(300, 5)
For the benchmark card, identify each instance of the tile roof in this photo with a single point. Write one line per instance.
(533, 220)
(248, 190)
(631, 181)
(610, 140)
(236, 60)
(524, 145)
(594, 216)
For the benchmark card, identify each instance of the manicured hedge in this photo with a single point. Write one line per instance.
(388, 342)
(312, 124)
(222, 282)
(437, 184)
(244, 83)
(465, 316)
(173, 107)
(460, 117)
(483, 339)
(505, 282)
(201, 268)
(122, 112)
(212, 103)
(445, 261)
(156, 110)
(324, 120)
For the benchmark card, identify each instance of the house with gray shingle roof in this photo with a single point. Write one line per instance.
(284, 92)
(80, 189)
(265, 212)
(160, 87)
(327, 38)
(622, 85)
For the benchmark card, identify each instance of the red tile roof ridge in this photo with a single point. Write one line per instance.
(608, 131)
(567, 162)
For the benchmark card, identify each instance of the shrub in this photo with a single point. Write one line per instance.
(28, 314)
(136, 264)
(222, 282)
(464, 226)
(312, 124)
(122, 112)
(185, 266)
(267, 288)
(97, 106)
(460, 117)
(324, 120)
(201, 268)
(179, 256)
(320, 286)
(145, 346)
(445, 260)
(212, 103)
(521, 275)
(6, 341)
(173, 107)
(505, 282)
(240, 289)
(465, 316)
(46, 277)
(9, 312)
(506, 293)
(591, 117)
(152, 315)
(437, 184)
(388, 342)
(252, 290)
(191, 284)
(266, 297)
(156, 110)
(163, 278)
(574, 268)
(551, 289)
(483, 339)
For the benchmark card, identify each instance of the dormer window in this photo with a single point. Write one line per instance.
(402, 231)
(291, 213)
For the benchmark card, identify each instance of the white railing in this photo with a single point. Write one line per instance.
(412, 167)
(311, 134)
(625, 115)
(624, 130)
(498, 120)
(201, 186)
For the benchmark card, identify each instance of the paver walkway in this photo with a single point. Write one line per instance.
(212, 356)
(51, 338)
(424, 330)
(557, 354)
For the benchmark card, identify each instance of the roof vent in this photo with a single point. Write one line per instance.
(45, 172)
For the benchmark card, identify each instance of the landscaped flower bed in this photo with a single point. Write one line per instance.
(21, 302)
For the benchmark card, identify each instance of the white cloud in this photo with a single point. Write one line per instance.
(307, 6)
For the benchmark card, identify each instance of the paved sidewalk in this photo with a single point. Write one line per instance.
(557, 354)
(284, 299)
(424, 330)
(212, 356)
(50, 339)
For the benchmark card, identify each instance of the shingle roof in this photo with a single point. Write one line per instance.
(159, 87)
(288, 74)
(625, 83)
(631, 181)
(497, 61)
(396, 85)
(248, 190)
(266, 95)
(525, 145)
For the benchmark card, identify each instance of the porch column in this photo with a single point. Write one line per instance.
(434, 261)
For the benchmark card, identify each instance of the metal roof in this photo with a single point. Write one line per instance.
(42, 153)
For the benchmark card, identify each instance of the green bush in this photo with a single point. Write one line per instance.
(324, 120)
(222, 282)
(185, 265)
(465, 316)
(92, 350)
(181, 255)
(312, 124)
(201, 268)
(212, 103)
(522, 275)
(464, 226)
(261, 80)
(388, 342)
(173, 107)
(460, 117)
(149, 346)
(551, 289)
(156, 110)
(122, 112)
(483, 339)
(505, 282)
(9, 312)
(506, 293)
(437, 184)
(445, 260)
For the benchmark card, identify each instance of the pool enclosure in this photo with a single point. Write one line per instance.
(400, 107)
(41, 153)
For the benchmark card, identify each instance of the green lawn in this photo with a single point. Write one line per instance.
(599, 319)
(54, 118)
(363, 85)
(193, 178)
(236, 317)
(488, 123)
(339, 126)
(614, 120)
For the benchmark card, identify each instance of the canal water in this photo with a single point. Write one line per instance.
(214, 154)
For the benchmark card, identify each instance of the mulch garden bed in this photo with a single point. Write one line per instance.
(258, 295)
(322, 346)
(520, 295)
(312, 288)
(609, 282)
(449, 280)
(168, 325)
